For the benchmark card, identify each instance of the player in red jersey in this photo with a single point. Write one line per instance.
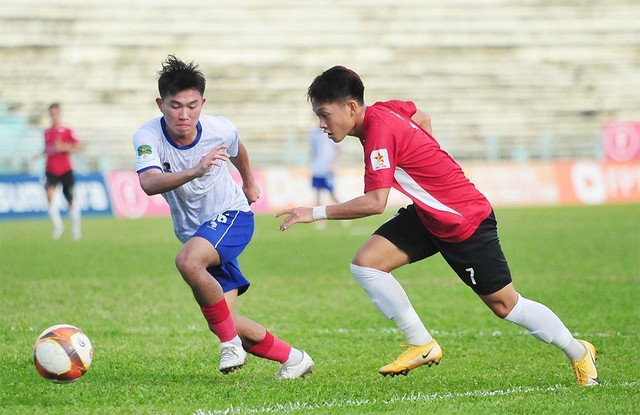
(59, 142)
(448, 216)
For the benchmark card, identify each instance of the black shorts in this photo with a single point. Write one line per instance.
(67, 180)
(478, 260)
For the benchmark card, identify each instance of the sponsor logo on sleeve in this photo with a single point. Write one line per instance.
(145, 153)
(380, 159)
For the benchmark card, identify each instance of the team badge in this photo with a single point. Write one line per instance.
(380, 159)
(145, 153)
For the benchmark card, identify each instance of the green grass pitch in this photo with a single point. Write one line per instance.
(155, 355)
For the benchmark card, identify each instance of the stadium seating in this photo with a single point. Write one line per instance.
(20, 142)
(502, 80)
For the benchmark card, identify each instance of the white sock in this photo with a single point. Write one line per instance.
(236, 341)
(544, 324)
(54, 215)
(295, 357)
(75, 215)
(391, 300)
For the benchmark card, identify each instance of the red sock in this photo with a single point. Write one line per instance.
(271, 348)
(220, 322)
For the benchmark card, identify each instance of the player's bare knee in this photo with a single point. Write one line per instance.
(364, 259)
(186, 265)
(360, 261)
(500, 309)
(502, 301)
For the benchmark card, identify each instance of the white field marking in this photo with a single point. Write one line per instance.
(290, 407)
(462, 333)
(381, 330)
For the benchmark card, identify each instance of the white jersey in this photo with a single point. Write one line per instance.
(201, 199)
(323, 153)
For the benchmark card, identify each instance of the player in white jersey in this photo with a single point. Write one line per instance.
(324, 153)
(205, 197)
(182, 155)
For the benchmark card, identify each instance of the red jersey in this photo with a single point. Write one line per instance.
(398, 153)
(58, 163)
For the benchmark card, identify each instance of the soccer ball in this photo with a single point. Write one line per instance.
(62, 353)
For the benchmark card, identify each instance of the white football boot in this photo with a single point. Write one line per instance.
(302, 369)
(232, 357)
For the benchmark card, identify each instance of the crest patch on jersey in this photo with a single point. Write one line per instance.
(145, 153)
(380, 159)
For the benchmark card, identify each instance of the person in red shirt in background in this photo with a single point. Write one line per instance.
(59, 142)
(448, 216)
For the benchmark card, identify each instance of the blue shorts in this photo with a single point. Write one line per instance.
(229, 233)
(323, 182)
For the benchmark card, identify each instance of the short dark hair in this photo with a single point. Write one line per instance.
(336, 84)
(55, 105)
(177, 76)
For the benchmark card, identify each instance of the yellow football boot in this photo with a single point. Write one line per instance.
(585, 368)
(415, 356)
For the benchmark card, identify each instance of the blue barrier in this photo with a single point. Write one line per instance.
(22, 196)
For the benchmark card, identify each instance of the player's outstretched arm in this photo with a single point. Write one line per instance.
(154, 181)
(295, 215)
(371, 203)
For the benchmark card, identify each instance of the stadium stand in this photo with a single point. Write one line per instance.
(502, 79)
(19, 143)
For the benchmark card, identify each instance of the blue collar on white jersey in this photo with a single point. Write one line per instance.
(163, 123)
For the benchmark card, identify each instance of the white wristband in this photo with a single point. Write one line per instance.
(319, 213)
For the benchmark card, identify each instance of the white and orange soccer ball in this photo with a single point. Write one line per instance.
(62, 353)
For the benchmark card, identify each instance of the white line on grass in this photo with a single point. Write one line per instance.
(377, 330)
(290, 407)
(461, 333)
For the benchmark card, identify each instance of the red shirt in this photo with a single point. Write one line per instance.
(58, 163)
(398, 153)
